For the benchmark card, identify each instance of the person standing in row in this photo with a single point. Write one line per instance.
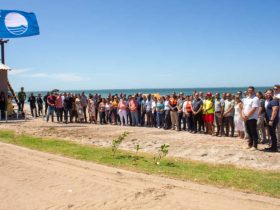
(122, 107)
(238, 121)
(197, 106)
(46, 102)
(33, 107)
(84, 102)
(67, 107)
(21, 99)
(51, 106)
(40, 104)
(167, 120)
(181, 116)
(160, 112)
(229, 114)
(277, 97)
(187, 107)
(219, 112)
(133, 111)
(209, 113)
(271, 111)
(261, 119)
(173, 111)
(59, 108)
(250, 116)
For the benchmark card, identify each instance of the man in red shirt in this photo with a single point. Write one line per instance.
(51, 106)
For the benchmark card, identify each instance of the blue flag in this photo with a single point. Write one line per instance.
(15, 24)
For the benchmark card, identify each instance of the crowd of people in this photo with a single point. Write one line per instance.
(250, 115)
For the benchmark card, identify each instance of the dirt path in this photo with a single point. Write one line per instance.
(36, 180)
(182, 144)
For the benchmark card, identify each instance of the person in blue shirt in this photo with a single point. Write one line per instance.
(271, 116)
(160, 112)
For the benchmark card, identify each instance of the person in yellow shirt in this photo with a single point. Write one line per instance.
(209, 113)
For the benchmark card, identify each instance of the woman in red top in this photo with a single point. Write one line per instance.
(59, 107)
(133, 111)
(188, 113)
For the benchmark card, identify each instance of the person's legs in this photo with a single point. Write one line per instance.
(231, 123)
(66, 115)
(272, 133)
(195, 122)
(200, 121)
(179, 121)
(31, 110)
(218, 125)
(249, 132)
(158, 120)
(125, 117)
(278, 132)
(261, 129)
(254, 133)
(172, 115)
(136, 119)
(23, 102)
(184, 118)
(143, 114)
(85, 113)
(121, 116)
(190, 119)
(226, 124)
(251, 127)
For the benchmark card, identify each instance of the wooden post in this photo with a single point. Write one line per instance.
(3, 73)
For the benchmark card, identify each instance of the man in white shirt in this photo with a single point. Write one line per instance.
(250, 116)
(277, 96)
(167, 120)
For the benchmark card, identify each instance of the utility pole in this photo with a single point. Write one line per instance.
(2, 43)
(4, 82)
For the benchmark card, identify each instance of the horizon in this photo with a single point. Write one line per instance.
(129, 44)
(145, 89)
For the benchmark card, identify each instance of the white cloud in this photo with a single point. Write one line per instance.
(61, 77)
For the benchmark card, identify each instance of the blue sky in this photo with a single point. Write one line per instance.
(89, 44)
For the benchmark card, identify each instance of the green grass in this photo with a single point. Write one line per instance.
(248, 180)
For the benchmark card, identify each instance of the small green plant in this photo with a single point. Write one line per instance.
(117, 142)
(137, 148)
(162, 152)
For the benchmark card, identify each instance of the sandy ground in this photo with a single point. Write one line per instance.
(35, 180)
(182, 144)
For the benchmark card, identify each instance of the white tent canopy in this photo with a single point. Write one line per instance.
(4, 67)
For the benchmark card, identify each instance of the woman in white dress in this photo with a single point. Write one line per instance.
(79, 109)
(238, 121)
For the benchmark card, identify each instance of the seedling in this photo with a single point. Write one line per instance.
(162, 152)
(117, 142)
(137, 148)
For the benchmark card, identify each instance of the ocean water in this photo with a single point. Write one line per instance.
(161, 91)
